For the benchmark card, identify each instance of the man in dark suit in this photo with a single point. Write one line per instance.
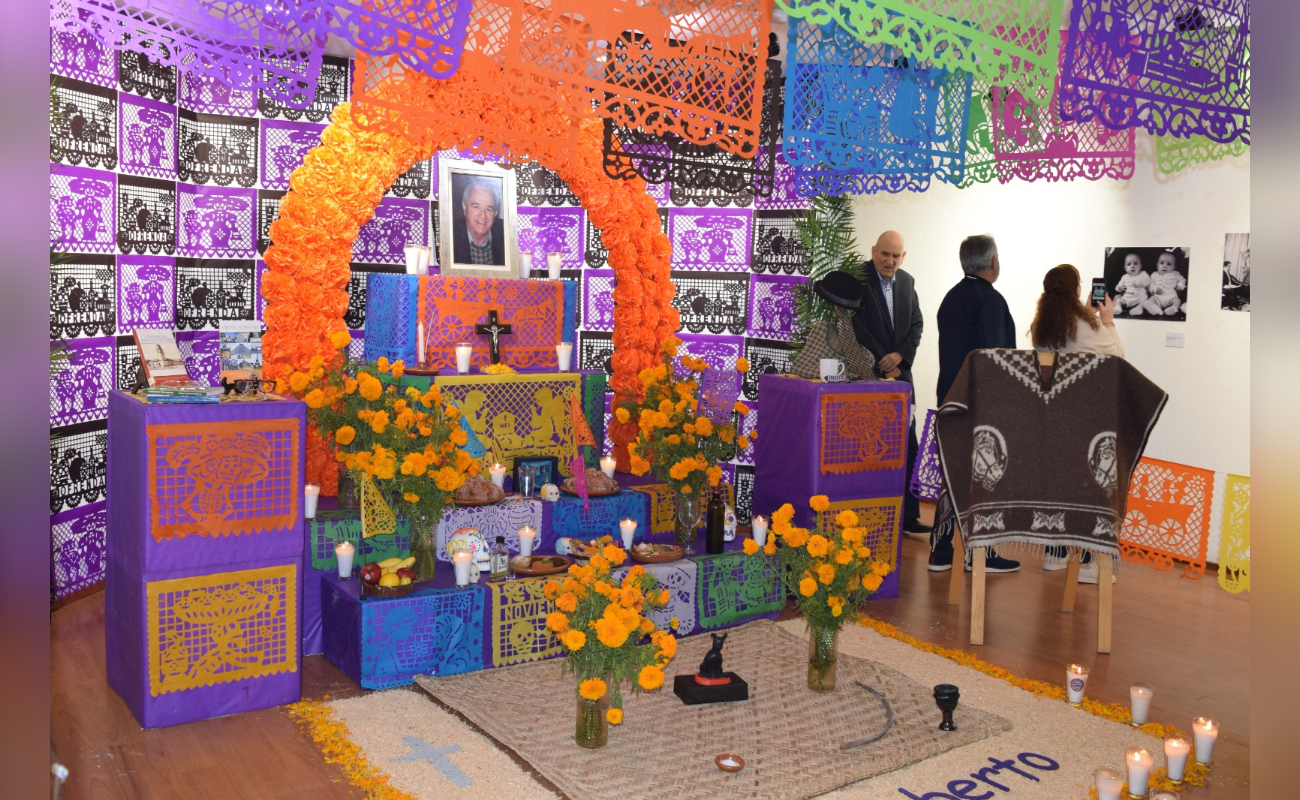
(479, 237)
(889, 325)
(972, 316)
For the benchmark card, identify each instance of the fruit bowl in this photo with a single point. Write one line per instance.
(375, 590)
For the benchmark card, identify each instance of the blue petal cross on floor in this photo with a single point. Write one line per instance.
(437, 756)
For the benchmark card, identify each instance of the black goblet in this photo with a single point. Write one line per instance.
(946, 696)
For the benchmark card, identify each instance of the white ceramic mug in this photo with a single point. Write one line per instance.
(831, 368)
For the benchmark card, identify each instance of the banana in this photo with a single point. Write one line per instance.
(409, 561)
(390, 563)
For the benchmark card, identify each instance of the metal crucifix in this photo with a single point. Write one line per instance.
(494, 329)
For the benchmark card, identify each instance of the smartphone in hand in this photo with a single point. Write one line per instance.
(1098, 291)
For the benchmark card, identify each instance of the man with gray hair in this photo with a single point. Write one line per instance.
(480, 238)
(972, 316)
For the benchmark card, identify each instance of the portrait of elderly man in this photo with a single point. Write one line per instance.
(478, 231)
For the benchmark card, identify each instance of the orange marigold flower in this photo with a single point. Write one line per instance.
(750, 547)
(740, 408)
(592, 688)
(818, 545)
(567, 602)
(615, 716)
(622, 415)
(808, 586)
(846, 518)
(742, 365)
(611, 632)
(298, 381)
(796, 537)
(819, 503)
(574, 639)
(379, 422)
(704, 426)
(843, 556)
(382, 364)
(615, 555)
(686, 490)
(340, 339)
(770, 548)
(872, 582)
(651, 677)
(349, 386)
(398, 368)
(881, 568)
(345, 435)
(411, 497)
(825, 573)
(371, 388)
(742, 442)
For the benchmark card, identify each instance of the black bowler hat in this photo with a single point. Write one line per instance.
(841, 289)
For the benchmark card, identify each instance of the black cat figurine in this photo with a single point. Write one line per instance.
(711, 666)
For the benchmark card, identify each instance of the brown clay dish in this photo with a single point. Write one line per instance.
(667, 552)
(739, 765)
(542, 565)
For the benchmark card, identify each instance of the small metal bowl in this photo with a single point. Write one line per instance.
(740, 762)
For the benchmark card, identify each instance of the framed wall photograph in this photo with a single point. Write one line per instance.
(548, 470)
(1148, 282)
(477, 219)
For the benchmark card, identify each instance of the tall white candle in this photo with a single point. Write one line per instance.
(564, 354)
(525, 265)
(1139, 695)
(343, 552)
(759, 524)
(1138, 761)
(426, 258)
(527, 535)
(607, 464)
(498, 473)
(310, 497)
(412, 253)
(553, 262)
(460, 562)
(1110, 782)
(419, 343)
(627, 527)
(1176, 749)
(1204, 733)
(463, 352)
(1076, 677)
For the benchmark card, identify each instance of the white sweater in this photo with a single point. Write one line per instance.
(1086, 340)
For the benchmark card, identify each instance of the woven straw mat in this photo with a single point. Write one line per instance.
(789, 736)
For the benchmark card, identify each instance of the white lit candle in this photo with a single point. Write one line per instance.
(426, 258)
(553, 262)
(413, 255)
(419, 343)
(460, 561)
(759, 524)
(1139, 695)
(1076, 677)
(310, 497)
(1176, 749)
(1110, 782)
(463, 351)
(498, 473)
(1204, 732)
(627, 527)
(1138, 761)
(607, 464)
(527, 535)
(343, 551)
(564, 354)
(525, 265)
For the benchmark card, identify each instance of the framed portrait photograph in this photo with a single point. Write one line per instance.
(1148, 282)
(1236, 272)
(477, 219)
(548, 470)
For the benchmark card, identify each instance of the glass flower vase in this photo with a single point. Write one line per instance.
(422, 547)
(349, 497)
(823, 655)
(689, 510)
(592, 730)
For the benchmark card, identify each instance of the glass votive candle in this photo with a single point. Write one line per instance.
(759, 525)
(343, 553)
(1139, 695)
(498, 473)
(527, 536)
(463, 352)
(310, 498)
(553, 263)
(627, 528)
(1076, 677)
(461, 563)
(1204, 732)
(564, 355)
(1138, 762)
(607, 464)
(1110, 782)
(1176, 749)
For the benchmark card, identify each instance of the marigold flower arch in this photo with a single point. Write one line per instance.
(372, 141)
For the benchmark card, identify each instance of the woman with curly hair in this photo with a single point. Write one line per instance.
(1064, 323)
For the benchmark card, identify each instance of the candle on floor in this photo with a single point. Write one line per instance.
(498, 473)
(1109, 783)
(759, 524)
(607, 464)
(1204, 732)
(553, 262)
(1137, 761)
(1076, 677)
(527, 535)
(463, 352)
(419, 343)
(1176, 749)
(460, 562)
(1139, 695)
(310, 497)
(627, 527)
(343, 552)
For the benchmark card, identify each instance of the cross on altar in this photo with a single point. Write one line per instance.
(494, 329)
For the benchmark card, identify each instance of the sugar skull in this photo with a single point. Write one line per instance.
(472, 540)
(550, 493)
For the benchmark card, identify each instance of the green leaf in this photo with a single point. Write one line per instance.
(826, 235)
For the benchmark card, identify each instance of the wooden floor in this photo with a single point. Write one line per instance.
(1188, 639)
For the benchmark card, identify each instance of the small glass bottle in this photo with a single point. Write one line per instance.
(499, 561)
(715, 523)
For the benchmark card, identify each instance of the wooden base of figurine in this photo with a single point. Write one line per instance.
(692, 693)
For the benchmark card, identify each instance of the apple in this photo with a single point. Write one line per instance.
(371, 573)
(406, 572)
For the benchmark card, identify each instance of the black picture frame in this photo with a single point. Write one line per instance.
(550, 464)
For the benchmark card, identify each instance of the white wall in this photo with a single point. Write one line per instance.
(1039, 225)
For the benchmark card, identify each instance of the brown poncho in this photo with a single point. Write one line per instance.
(1044, 462)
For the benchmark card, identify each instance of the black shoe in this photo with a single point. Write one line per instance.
(995, 563)
(917, 526)
(941, 555)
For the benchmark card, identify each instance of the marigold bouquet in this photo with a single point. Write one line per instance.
(408, 441)
(682, 446)
(601, 622)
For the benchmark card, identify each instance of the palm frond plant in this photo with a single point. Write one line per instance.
(826, 237)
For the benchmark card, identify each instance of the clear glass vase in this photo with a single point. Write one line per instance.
(690, 510)
(592, 730)
(823, 655)
(349, 497)
(423, 542)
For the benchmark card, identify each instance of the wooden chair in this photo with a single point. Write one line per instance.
(1105, 569)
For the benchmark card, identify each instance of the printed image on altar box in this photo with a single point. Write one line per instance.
(1236, 272)
(1147, 282)
(477, 219)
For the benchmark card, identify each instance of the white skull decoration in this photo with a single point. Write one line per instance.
(729, 525)
(472, 540)
(550, 493)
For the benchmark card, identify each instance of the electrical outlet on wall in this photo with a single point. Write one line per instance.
(1174, 339)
